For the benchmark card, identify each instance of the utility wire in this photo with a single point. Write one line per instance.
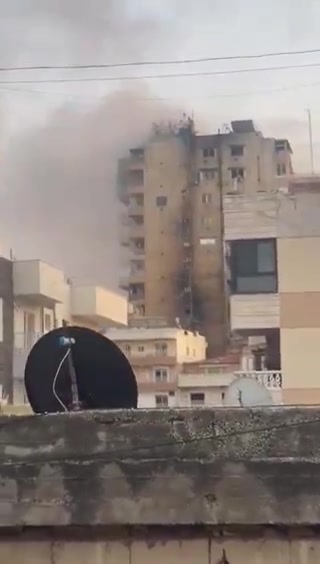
(160, 76)
(161, 62)
(91, 97)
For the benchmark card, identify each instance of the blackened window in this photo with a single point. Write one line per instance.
(254, 266)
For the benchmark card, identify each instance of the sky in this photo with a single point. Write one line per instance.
(60, 141)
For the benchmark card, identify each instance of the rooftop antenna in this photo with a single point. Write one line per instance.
(310, 140)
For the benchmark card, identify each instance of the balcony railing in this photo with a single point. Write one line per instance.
(271, 379)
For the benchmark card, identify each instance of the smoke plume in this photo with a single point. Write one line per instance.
(59, 198)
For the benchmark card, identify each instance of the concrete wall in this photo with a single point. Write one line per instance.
(222, 467)
(266, 549)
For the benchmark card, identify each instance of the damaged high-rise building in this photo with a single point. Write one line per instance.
(173, 190)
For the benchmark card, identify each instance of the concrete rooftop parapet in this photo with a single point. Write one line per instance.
(161, 467)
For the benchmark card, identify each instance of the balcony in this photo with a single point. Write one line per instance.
(124, 235)
(205, 380)
(136, 159)
(151, 360)
(98, 306)
(271, 379)
(38, 282)
(134, 277)
(136, 230)
(254, 311)
(136, 250)
(135, 209)
(135, 183)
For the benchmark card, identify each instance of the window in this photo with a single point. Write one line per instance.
(237, 173)
(137, 152)
(208, 152)
(207, 174)
(187, 351)
(162, 400)
(281, 170)
(197, 398)
(207, 222)
(141, 309)
(206, 198)
(140, 348)
(47, 322)
(161, 201)
(237, 150)
(127, 348)
(161, 349)
(161, 375)
(254, 266)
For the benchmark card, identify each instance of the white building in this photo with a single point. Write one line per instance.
(43, 299)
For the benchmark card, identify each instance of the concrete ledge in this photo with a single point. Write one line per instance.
(231, 467)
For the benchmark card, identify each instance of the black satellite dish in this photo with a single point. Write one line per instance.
(76, 368)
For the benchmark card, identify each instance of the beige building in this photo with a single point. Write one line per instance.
(174, 229)
(157, 355)
(275, 285)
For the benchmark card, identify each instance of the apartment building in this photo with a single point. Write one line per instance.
(35, 297)
(274, 277)
(208, 383)
(173, 188)
(157, 355)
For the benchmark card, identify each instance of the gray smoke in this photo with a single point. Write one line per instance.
(59, 201)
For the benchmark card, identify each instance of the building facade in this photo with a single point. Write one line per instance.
(174, 188)
(272, 246)
(157, 355)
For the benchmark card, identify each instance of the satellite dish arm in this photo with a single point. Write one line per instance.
(67, 341)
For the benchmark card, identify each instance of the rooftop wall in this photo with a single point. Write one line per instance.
(222, 466)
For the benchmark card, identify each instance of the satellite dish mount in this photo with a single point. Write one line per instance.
(68, 341)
